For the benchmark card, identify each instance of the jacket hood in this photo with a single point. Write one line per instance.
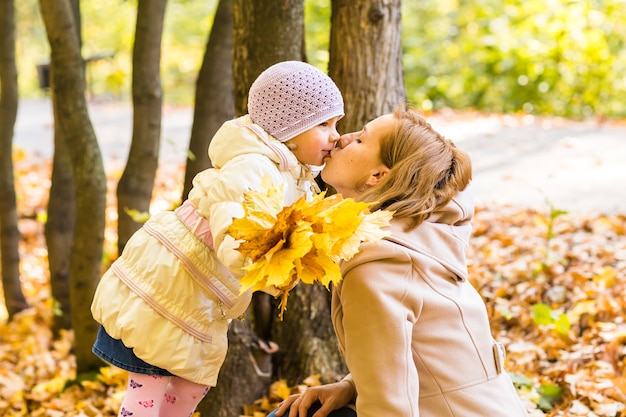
(443, 237)
(240, 136)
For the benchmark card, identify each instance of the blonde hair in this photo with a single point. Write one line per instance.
(426, 169)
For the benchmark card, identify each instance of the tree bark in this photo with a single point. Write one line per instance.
(308, 344)
(240, 380)
(215, 102)
(89, 177)
(264, 33)
(59, 228)
(9, 232)
(134, 190)
(370, 75)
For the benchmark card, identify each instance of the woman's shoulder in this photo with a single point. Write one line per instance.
(373, 254)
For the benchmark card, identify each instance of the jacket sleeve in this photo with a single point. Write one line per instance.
(377, 322)
(217, 195)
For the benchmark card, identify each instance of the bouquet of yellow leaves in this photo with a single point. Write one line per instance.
(304, 241)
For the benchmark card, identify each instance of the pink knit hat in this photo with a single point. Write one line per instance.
(291, 97)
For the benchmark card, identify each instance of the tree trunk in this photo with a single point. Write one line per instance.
(89, 177)
(215, 102)
(59, 228)
(239, 381)
(307, 339)
(9, 233)
(134, 190)
(370, 75)
(264, 33)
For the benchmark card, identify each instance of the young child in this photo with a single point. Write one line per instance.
(166, 303)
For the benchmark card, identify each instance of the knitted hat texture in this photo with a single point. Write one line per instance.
(291, 97)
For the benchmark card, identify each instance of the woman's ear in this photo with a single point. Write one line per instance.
(376, 176)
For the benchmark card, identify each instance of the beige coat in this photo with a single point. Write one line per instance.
(172, 293)
(414, 332)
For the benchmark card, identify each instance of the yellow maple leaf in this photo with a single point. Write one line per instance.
(314, 380)
(263, 205)
(319, 266)
(280, 389)
(606, 278)
(304, 241)
(136, 215)
(369, 230)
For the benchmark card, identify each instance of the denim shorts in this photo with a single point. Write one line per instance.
(115, 353)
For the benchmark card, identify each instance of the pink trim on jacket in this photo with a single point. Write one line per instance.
(125, 277)
(204, 280)
(197, 224)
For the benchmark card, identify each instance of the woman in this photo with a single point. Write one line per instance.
(413, 331)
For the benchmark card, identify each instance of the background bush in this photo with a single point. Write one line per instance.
(556, 57)
(546, 57)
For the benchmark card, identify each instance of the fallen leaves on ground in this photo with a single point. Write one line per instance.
(554, 284)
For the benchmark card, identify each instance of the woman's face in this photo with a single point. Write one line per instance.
(356, 161)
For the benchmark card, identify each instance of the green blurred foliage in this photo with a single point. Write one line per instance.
(557, 57)
(108, 28)
(317, 16)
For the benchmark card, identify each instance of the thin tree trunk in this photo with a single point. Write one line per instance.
(59, 228)
(370, 75)
(134, 190)
(9, 233)
(89, 177)
(215, 102)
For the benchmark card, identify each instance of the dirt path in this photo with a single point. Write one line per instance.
(518, 161)
(534, 162)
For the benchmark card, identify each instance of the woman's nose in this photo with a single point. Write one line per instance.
(344, 141)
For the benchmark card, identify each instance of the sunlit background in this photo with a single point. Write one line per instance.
(549, 57)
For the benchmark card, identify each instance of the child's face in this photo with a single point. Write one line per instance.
(313, 146)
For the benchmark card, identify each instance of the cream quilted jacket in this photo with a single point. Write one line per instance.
(173, 291)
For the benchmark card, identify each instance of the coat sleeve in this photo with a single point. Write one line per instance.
(217, 195)
(377, 323)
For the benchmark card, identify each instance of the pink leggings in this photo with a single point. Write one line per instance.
(160, 396)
